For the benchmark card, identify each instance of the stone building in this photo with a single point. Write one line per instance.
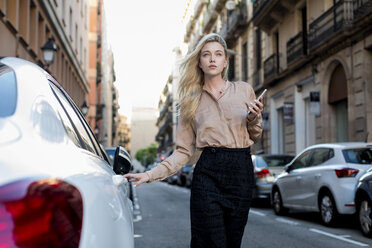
(124, 133)
(103, 97)
(313, 56)
(168, 117)
(26, 25)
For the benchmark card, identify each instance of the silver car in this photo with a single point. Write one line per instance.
(266, 168)
(323, 178)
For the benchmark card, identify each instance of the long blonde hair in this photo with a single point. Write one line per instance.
(192, 78)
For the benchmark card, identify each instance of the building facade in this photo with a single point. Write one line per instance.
(168, 111)
(143, 127)
(26, 25)
(314, 57)
(103, 97)
(124, 133)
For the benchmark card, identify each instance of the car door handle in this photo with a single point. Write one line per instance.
(298, 178)
(119, 180)
(317, 176)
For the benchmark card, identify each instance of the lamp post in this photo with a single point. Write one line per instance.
(84, 108)
(49, 49)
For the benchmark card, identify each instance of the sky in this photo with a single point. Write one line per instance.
(142, 35)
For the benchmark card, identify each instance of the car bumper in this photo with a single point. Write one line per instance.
(263, 190)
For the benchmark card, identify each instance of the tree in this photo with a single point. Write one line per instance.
(146, 155)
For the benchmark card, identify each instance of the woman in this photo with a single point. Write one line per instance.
(214, 119)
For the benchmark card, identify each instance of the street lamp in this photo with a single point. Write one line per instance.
(84, 108)
(49, 49)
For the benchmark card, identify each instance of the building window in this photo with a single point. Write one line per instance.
(33, 25)
(70, 24)
(258, 49)
(81, 50)
(76, 38)
(245, 62)
(231, 71)
(63, 12)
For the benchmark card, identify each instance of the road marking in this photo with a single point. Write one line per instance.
(293, 223)
(257, 213)
(338, 237)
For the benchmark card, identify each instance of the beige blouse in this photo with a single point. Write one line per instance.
(218, 122)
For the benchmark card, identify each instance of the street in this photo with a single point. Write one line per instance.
(163, 221)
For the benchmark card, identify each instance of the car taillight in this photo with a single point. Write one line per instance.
(263, 173)
(346, 172)
(41, 213)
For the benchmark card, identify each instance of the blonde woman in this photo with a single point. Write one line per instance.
(214, 119)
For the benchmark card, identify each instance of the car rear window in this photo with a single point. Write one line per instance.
(8, 91)
(358, 155)
(273, 161)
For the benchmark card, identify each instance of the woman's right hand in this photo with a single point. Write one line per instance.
(137, 177)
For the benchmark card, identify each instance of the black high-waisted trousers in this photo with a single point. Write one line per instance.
(221, 195)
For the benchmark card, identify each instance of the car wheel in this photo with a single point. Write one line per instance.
(278, 203)
(328, 210)
(365, 217)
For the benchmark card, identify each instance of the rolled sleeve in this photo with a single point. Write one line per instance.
(185, 148)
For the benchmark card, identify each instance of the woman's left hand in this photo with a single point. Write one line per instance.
(255, 109)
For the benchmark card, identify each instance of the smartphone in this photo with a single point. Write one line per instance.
(262, 94)
(259, 98)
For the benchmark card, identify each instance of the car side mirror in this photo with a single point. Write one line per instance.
(122, 161)
(288, 168)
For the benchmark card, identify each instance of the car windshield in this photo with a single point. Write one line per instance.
(8, 91)
(358, 155)
(272, 161)
(186, 168)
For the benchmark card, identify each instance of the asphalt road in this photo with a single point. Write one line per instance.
(163, 221)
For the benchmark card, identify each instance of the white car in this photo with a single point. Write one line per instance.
(57, 188)
(322, 178)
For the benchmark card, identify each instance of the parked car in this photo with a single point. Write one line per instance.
(363, 203)
(182, 174)
(57, 187)
(110, 151)
(323, 178)
(189, 176)
(266, 168)
(172, 179)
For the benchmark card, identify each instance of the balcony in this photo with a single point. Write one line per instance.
(189, 27)
(268, 13)
(214, 7)
(330, 23)
(295, 48)
(362, 8)
(270, 67)
(167, 124)
(236, 21)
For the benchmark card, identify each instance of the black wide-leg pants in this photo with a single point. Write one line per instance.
(221, 195)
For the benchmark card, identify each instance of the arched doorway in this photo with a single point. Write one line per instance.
(337, 98)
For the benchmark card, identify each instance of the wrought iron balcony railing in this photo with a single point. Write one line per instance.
(329, 23)
(361, 8)
(270, 67)
(295, 48)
